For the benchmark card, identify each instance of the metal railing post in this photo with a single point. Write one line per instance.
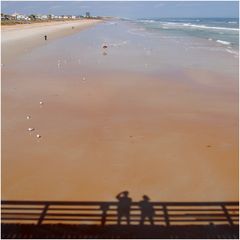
(165, 212)
(227, 215)
(43, 214)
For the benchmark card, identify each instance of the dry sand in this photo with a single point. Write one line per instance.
(18, 39)
(171, 136)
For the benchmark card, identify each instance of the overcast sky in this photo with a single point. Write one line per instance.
(131, 10)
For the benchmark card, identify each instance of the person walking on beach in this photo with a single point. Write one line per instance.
(45, 37)
(124, 206)
(147, 210)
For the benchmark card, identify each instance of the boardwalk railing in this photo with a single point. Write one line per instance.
(105, 213)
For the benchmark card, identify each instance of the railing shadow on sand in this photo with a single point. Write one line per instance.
(62, 219)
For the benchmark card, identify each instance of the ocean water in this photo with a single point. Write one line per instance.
(223, 31)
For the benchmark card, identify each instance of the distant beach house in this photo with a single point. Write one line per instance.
(58, 17)
(70, 17)
(42, 17)
(21, 17)
(7, 17)
(17, 16)
(14, 15)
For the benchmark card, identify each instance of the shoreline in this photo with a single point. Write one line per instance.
(19, 39)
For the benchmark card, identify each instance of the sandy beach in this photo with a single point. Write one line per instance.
(134, 117)
(17, 39)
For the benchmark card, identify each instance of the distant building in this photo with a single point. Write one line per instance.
(7, 17)
(14, 15)
(17, 16)
(87, 15)
(50, 16)
(44, 17)
(21, 17)
(38, 16)
(56, 17)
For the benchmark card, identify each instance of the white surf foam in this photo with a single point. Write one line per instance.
(232, 52)
(209, 27)
(223, 42)
(190, 25)
(147, 21)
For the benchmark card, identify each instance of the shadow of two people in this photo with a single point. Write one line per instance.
(124, 209)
